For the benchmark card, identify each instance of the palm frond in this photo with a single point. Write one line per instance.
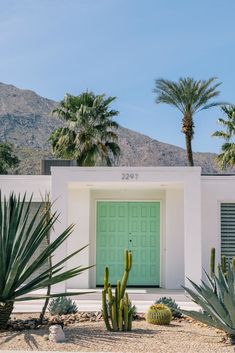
(93, 128)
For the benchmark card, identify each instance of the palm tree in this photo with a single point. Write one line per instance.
(89, 135)
(190, 97)
(227, 156)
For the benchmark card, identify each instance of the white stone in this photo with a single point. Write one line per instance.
(56, 334)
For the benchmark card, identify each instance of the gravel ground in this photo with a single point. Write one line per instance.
(179, 337)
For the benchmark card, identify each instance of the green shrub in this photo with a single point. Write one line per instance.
(171, 304)
(159, 314)
(62, 306)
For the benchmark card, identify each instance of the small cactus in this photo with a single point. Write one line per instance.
(212, 262)
(224, 264)
(159, 314)
(171, 304)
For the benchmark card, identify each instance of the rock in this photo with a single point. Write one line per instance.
(56, 334)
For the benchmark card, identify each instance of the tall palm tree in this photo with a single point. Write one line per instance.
(227, 156)
(190, 97)
(90, 133)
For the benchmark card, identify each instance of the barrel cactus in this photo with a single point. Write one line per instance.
(171, 304)
(159, 314)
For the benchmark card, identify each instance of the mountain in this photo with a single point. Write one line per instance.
(26, 122)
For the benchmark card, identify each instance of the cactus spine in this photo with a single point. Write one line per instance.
(119, 317)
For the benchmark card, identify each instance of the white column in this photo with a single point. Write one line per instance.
(59, 199)
(192, 229)
(79, 214)
(174, 239)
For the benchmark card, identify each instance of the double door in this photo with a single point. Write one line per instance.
(128, 225)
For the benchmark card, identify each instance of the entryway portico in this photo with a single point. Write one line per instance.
(177, 190)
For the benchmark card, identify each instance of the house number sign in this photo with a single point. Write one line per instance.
(130, 176)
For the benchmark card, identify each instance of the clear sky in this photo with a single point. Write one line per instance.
(119, 47)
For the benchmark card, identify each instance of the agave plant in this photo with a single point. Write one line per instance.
(218, 306)
(20, 239)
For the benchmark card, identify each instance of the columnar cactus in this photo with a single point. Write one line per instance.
(159, 314)
(212, 262)
(223, 263)
(116, 307)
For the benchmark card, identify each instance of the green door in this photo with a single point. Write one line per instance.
(128, 225)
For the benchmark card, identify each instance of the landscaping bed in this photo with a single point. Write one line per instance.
(88, 333)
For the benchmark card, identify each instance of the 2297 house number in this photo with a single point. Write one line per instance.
(130, 176)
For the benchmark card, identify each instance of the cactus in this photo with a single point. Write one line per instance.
(159, 314)
(171, 304)
(212, 262)
(116, 310)
(223, 264)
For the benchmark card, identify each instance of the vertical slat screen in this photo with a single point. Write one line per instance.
(227, 214)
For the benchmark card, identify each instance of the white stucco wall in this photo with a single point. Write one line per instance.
(215, 190)
(75, 191)
(38, 185)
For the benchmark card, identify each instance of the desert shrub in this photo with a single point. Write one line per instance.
(62, 306)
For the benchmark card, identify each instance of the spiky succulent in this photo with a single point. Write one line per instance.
(171, 304)
(62, 306)
(216, 299)
(20, 239)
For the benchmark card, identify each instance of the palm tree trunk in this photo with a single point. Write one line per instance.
(189, 151)
(5, 313)
(188, 130)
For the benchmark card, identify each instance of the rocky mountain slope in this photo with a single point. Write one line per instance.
(26, 121)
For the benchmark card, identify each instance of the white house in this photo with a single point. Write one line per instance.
(170, 217)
